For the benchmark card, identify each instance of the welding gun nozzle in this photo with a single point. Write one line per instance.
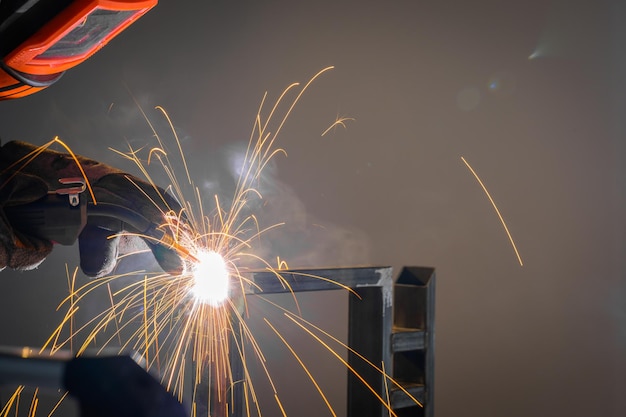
(169, 241)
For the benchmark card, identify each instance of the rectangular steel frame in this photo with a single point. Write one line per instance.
(392, 325)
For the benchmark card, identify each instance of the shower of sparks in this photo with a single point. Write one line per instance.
(493, 203)
(195, 321)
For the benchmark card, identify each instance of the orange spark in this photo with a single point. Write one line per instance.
(493, 203)
(340, 121)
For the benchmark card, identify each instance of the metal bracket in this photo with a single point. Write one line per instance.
(77, 186)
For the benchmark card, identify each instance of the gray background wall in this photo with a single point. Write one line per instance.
(426, 82)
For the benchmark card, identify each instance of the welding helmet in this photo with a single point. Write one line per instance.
(41, 39)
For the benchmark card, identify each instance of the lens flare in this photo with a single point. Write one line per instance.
(210, 278)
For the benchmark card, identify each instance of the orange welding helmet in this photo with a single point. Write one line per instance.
(41, 39)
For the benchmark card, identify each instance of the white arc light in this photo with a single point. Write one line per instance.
(210, 278)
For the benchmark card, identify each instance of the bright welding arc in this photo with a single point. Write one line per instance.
(210, 278)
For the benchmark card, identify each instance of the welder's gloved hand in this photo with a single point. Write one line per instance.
(18, 250)
(22, 183)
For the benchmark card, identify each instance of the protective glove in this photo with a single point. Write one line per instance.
(22, 183)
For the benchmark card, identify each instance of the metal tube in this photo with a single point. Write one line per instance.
(32, 372)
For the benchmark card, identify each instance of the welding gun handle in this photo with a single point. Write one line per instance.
(54, 219)
(122, 218)
(50, 218)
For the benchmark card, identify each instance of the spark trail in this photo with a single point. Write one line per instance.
(495, 207)
(341, 121)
